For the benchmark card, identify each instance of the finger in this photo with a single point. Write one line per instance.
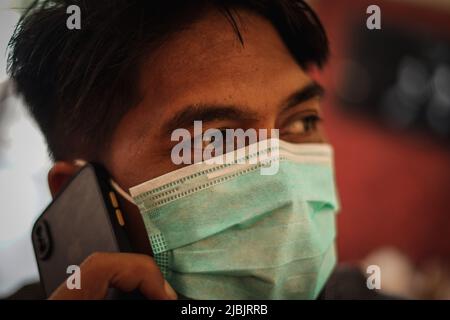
(124, 271)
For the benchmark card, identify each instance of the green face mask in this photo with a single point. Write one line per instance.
(230, 232)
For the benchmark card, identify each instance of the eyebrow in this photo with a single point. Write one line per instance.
(312, 90)
(206, 113)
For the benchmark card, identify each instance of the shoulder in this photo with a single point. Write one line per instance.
(32, 291)
(349, 283)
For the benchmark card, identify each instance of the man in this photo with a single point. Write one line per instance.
(113, 91)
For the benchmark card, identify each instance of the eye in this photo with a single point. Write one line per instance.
(209, 139)
(219, 144)
(302, 126)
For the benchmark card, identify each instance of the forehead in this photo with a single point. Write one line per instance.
(205, 62)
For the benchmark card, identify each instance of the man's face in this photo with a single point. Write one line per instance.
(205, 73)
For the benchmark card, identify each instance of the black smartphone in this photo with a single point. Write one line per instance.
(84, 218)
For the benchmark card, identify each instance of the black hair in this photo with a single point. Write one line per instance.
(78, 83)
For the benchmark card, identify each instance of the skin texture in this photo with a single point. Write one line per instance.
(202, 66)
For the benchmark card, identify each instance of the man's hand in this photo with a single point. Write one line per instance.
(123, 271)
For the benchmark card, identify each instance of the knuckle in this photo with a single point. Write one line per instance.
(94, 259)
(141, 268)
(147, 266)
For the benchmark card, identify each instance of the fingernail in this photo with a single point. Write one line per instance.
(169, 291)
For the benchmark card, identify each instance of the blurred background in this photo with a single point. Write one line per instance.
(387, 112)
(23, 171)
(388, 117)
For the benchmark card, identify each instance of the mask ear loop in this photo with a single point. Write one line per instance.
(114, 185)
(120, 191)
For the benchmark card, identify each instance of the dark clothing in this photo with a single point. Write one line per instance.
(346, 283)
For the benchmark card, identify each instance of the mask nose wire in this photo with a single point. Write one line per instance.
(113, 184)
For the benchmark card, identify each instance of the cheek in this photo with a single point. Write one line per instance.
(321, 133)
(136, 154)
(132, 168)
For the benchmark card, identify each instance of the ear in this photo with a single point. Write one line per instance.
(60, 174)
